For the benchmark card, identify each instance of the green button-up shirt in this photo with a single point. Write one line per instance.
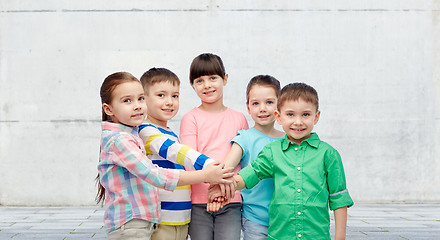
(308, 179)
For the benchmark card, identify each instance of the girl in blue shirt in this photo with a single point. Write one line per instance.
(261, 95)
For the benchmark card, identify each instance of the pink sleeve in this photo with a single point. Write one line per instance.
(188, 131)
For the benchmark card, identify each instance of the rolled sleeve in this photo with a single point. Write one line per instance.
(340, 199)
(249, 176)
(339, 196)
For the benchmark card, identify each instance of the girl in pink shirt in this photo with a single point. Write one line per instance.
(209, 129)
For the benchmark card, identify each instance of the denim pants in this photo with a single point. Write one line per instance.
(253, 231)
(222, 225)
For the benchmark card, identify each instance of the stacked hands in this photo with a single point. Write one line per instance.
(220, 192)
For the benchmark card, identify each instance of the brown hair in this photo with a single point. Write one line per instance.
(107, 87)
(263, 80)
(295, 91)
(206, 64)
(157, 75)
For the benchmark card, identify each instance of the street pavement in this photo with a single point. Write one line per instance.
(365, 221)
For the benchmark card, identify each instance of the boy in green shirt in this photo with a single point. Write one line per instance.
(308, 173)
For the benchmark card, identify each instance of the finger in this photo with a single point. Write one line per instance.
(222, 189)
(228, 191)
(229, 175)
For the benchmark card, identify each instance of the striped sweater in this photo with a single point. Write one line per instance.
(163, 148)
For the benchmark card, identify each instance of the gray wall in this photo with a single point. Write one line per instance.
(374, 63)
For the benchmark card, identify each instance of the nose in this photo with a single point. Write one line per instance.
(137, 105)
(169, 101)
(207, 84)
(297, 121)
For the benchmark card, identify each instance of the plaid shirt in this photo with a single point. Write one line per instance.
(129, 177)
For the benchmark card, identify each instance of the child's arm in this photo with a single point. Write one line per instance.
(234, 156)
(232, 160)
(214, 173)
(158, 143)
(340, 223)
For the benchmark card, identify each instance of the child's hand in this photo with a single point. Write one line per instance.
(216, 173)
(216, 204)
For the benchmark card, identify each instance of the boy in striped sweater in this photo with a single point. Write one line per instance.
(162, 146)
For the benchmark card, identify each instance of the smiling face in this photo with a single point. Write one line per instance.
(209, 88)
(297, 117)
(127, 105)
(262, 104)
(163, 102)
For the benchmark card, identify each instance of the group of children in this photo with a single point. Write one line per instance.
(157, 187)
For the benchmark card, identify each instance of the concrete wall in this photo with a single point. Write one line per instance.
(374, 63)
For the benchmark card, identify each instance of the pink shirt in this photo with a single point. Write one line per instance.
(210, 134)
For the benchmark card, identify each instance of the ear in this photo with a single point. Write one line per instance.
(107, 109)
(277, 116)
(247, 106)
(317, 117)
(225, 79)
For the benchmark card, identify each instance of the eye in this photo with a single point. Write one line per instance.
(161, 95)
(254, 103)
(289, 114)
(306, 114)
(199, 81)
(127, 100)
(270, 102)
(141, 99)
(176, 96)
(213, 78)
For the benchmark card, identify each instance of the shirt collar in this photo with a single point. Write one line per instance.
(119, 128)
(313, 141)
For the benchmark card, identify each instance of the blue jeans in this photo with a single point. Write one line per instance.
(253, 231)
(222, 225)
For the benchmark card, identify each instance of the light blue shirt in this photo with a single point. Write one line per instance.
(256, 200)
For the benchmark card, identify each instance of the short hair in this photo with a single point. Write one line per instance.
(157, 75)
(296, 91)
(263, 80)
(206, 64)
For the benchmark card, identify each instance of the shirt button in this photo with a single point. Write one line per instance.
(296, 149)
(299, 168)
(299, 213)
(299, 235)
(299, 190)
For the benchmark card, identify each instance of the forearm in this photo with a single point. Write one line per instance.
(191, 177)
(240, 182)
(340, 223)
(234, 156)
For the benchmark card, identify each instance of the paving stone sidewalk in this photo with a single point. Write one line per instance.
(365, 221)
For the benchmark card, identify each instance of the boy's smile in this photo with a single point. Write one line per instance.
(297, 119)
(163, 102)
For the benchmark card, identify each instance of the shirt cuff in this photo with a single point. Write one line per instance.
(249, 176)
(172, 177)
(340, 199)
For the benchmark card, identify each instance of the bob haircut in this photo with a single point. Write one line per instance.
(206, 64)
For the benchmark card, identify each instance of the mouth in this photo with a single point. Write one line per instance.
(168, 110)
(298, 129)
(139, 115)
(264, 116)
(209, 92)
